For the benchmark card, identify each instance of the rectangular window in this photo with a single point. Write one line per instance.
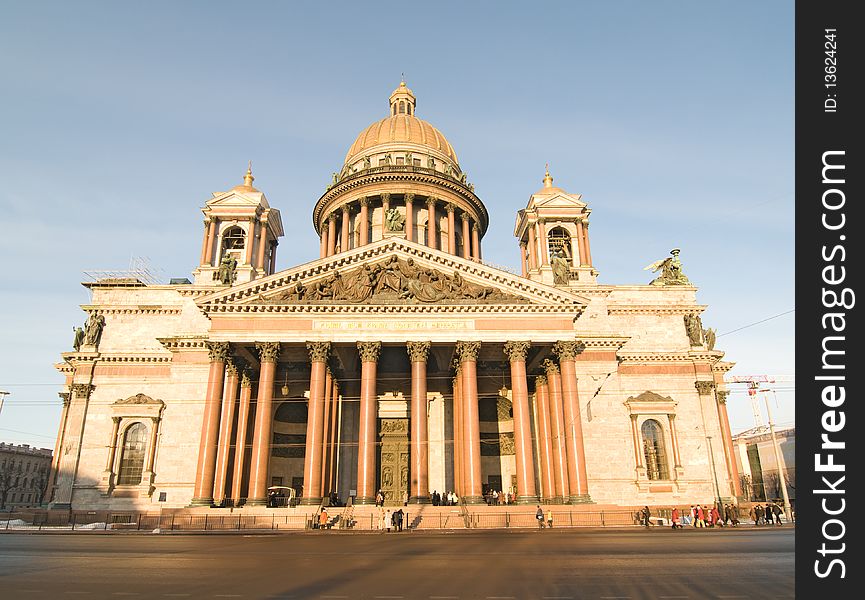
(416, 162)
(400, 160)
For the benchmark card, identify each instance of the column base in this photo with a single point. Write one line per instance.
(474, 500)
(364, 500)
(201, 502)
(419, 500)
(528, 500)
(556, 500)
(581, 499)
(256, 502)
(309, 501)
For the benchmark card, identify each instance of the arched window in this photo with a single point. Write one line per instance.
(234, 238)
(654, 450)
(559, 239)
(401, 107)
(132, 458)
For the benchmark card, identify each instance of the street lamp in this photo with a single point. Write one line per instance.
(715, 475)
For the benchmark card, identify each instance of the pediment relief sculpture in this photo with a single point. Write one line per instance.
(394, 281)
(139, 399)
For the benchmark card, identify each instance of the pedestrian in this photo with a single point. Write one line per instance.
(495, 497)
(777, 510)
(550, 518)
(674, 517)
(388, 520)
(716, 517)
(397, 519)
(322, 519)
(693, 515)
(760, 514)
(734, 515)
(701, 517)
(539, 515)
(645, 516)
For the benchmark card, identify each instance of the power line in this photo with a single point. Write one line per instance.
(757, 322)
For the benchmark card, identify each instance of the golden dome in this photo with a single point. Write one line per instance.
(401, 127)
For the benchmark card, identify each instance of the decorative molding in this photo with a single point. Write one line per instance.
(650, 403)
(418, 351)
(138, 399)
(656, 309)
(704, 387)
(517, 350)
(369, 351)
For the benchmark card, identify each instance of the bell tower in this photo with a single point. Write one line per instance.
(553, 232)
(241, 233)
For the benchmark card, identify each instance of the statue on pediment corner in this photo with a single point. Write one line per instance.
(78, 340)
(671, 270)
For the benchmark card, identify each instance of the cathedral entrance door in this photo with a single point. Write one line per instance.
(394, 475)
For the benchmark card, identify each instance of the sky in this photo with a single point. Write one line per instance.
(673, 119)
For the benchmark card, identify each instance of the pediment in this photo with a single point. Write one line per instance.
(392, 272)
(557, 201)
(236, 198)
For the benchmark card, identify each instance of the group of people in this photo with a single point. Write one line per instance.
(766, 515)
(446, 499)
(544, 519)
(388, 520)
(497, 498)
(703, 516)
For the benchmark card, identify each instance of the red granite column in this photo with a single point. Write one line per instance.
(208, 252)
(344, 229)
(418, 353)
(468, 355)
(452, 235)
(325, 438)
(733, 470)
(369, 354)
(533, 249)
(458, 434)
(202, 494)
(312, 468)
(548, 482)
(261, 438)
(364, 221)
(272, 268)
(545, 251)
(467, 240)
(331, 235)
(409, 217)
(523, 269)
(323, 252)
(431, 222)
(332, 446)
(577, 478)
(262, 245)
(588, 246)
(240, 438)
(250, 242)
(557, 432)
(476, 242)
(581, 241)
(526, 490)
(225, 426)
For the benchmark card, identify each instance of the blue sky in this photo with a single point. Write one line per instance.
(673, 119)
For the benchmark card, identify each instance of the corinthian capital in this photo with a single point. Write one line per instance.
(267, 351)
(540, 380)
(568, 349)
(318, 351)
(82, 390)
(468, 351)
(418, 351)
(517, 350)
(65, 397)
(722, 396)
(218, 351)
(550, 366)
(704, 387)
(369, 351)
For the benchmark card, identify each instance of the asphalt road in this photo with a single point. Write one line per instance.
(633, 564)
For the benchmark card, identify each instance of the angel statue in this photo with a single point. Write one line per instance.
(393, 220)
(671, 270)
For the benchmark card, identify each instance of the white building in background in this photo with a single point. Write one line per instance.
(755, 459)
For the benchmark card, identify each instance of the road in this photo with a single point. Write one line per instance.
(632, 564)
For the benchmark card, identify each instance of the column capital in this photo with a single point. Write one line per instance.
(363, 200)
(671, 416)
(369, 351)
(217, 351)
(465, 216)
(468, 351)
(230, 367)
(722, 396)
(431, 200)
(82, 390)
(550, 366)
(385, 197)
(450, 207)
(318, 351)
(523, 244)
(634, 417)
(418, 351)
(540, 380)
(517, 350)
(268, 351)
(475, 226)
(116, 420)
(65, 397)
(409, 197)
(704, 387)
(245, 379)
(568, 349)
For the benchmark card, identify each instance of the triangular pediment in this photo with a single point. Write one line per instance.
(556, 201)
(237, 198)
(393, 272)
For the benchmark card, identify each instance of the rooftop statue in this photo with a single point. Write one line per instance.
(78, 339)
(93, 330)
(671, 270)
(227, 269)
(394, 220)
(561, 269)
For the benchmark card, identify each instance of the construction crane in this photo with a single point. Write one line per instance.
(754, 382)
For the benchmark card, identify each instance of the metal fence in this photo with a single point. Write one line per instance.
(126, 521)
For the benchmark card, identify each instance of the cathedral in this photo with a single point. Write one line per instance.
(397, 362)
